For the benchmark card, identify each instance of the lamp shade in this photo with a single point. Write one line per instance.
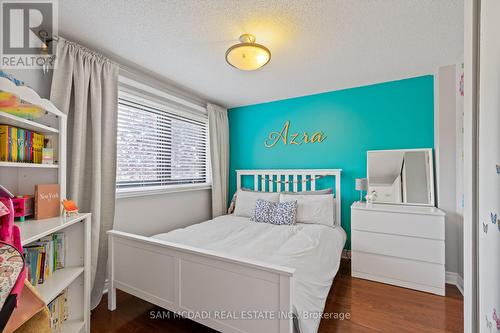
(361, 184)
(248, 55)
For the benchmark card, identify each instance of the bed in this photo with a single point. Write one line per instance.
(234, 275)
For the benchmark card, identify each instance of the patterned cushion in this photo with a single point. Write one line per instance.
(284, 213)
(262, 211)
(274, 212)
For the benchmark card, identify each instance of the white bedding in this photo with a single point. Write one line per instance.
(313, 250)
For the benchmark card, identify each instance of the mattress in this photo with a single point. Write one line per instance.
(313, 250)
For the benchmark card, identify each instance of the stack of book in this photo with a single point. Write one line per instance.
(20, 145)
(58, 310)
(44, 257)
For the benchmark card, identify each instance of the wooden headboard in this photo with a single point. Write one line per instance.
(293, 180)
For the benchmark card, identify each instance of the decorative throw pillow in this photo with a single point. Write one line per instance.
(274, 212)
(285, 213)
(263, 211)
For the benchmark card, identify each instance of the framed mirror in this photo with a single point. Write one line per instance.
(403, 177)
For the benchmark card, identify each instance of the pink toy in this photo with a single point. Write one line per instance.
(10, 235)
(23, 207)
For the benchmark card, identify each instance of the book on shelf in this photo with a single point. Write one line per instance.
(47, 201)
(44, 257)
(58, 310)
(20, 145)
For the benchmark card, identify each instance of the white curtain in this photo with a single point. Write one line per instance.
(84, 86)
(219, 154)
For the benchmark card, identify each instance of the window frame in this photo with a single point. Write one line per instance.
(171, 104)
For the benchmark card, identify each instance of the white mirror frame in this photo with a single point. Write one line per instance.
(431, 175)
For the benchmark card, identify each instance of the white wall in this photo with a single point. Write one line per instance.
(446, 164)
(35, 79)
(471, 225)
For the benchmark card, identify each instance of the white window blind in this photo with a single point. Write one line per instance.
(158, 146)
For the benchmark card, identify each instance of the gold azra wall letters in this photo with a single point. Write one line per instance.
(296, 138)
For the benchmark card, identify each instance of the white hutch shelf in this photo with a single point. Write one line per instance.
(20, 178)
(75, 275)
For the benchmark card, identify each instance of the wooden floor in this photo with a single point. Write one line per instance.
(372, 307)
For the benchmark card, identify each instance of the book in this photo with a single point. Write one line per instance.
(47, 201)
(44, 257)
(47, 156)
(20, 145)
(58, 310)
(4, 143)
(59, 250)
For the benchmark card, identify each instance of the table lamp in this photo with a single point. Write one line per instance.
(361, 185)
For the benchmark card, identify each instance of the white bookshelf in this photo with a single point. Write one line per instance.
(76, 274)
(21, 178)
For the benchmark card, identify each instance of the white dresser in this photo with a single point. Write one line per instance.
(399, 245)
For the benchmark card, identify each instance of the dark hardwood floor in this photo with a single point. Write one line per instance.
(371, 307)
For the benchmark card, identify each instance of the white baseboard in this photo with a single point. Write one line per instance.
(455, 279)
(460, 284)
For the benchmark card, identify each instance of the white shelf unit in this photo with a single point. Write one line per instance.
(18, 177)
(76, 274)
(28, 165)
(8, 119)
(21, 178)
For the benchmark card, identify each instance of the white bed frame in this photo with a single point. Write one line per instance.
(215, 289)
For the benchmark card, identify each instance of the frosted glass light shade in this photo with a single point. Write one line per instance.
(361, 184)
(248, 55)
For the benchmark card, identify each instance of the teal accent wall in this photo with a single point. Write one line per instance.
(390, 115)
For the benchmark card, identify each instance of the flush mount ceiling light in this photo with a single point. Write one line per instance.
(248, 55)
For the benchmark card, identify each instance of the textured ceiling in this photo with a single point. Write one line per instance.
(316, 46)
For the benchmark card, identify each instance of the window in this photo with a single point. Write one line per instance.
(160, 145)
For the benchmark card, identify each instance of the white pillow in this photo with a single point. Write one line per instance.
(314, 209)
(245, 201)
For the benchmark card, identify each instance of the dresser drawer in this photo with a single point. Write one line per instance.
(423, 249)
(398, 270)
(416, 225)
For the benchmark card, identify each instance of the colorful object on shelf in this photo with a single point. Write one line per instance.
(7, 99)
(69, 207)
(23, 207)
(20, 145)
(47, 156)
(47, 152)
(10, 103)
